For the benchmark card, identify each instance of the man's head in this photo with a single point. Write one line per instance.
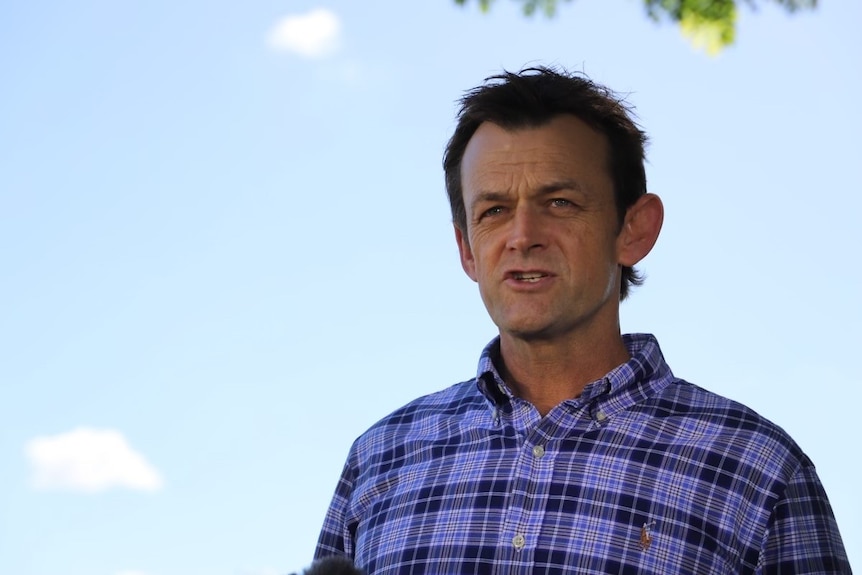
(532, 98)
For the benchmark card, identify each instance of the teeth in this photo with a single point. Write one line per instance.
(529, 277)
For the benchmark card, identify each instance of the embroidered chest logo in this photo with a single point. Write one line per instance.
(646, 535)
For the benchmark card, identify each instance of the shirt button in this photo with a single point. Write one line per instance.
(518, 542)
(600, 416)
(538, 451)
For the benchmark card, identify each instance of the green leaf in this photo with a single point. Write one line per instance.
(708, 24)
(709, 31)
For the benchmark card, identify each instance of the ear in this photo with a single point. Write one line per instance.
(640, 229)
(467, 260)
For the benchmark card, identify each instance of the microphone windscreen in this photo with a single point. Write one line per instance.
(334, 565)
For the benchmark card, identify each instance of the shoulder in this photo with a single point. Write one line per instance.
(728, 426)
(430, 417)
(686, 399)
(452, 401)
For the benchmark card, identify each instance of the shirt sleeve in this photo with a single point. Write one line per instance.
(803, 536)
(336, 538)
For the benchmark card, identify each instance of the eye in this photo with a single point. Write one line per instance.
(492, 211)
(561, 203)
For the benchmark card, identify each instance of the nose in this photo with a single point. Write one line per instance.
(526, 231)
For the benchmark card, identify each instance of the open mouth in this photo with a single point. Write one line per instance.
(530, 277)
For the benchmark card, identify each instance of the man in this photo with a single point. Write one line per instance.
(574, 449)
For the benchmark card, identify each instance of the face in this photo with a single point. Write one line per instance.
(543, 236)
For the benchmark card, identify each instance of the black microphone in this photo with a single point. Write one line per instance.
(333, 565)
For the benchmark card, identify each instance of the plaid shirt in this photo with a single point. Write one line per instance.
(643, 473)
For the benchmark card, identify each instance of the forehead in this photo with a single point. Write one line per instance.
(564, 147)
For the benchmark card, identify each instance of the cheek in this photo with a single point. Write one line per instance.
(481, 248)
(480, 237)
(598, 257)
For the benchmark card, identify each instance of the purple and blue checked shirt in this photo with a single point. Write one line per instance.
(642, 474)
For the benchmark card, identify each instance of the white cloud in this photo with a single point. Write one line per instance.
(314, 34)
(89, 460)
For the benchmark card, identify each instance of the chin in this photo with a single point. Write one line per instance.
(530, 332)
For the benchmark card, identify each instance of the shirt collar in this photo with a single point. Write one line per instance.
(646, 364)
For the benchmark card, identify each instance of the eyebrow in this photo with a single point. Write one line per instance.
(488, 197)
(553, 187)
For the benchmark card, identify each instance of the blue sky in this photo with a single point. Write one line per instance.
(225, 251)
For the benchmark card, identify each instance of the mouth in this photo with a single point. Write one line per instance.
(528, 277)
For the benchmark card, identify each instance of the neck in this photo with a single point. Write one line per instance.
(548, 372)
